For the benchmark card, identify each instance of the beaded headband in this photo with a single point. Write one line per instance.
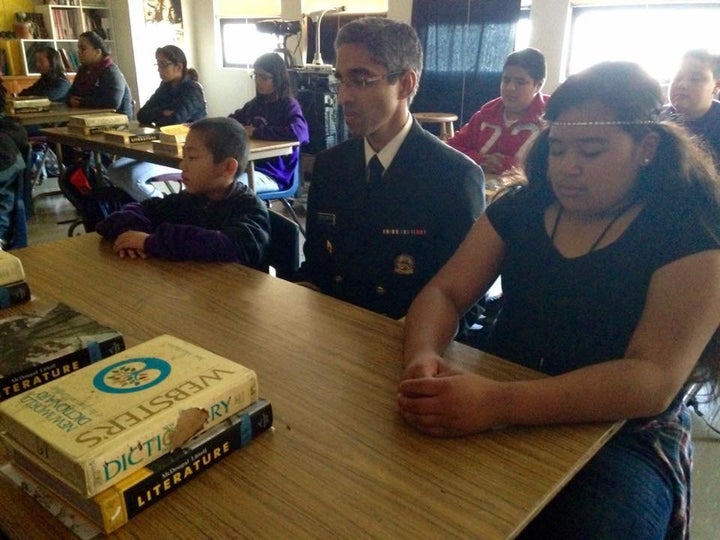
(606, 123)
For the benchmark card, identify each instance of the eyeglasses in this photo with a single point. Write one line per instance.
(164, 64)
(261, 76)
(357, 82)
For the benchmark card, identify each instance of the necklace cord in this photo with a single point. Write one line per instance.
(621, 211)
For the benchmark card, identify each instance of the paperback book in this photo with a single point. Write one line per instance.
(97, 119)
(14, 293)
(15, 105)
(115, 506)
(94, 130)
(173, 149)
(98, 425)
(174, 134)
(129, 136)
(49, 341)
(11, 268)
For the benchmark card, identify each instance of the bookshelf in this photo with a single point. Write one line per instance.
(64, 21)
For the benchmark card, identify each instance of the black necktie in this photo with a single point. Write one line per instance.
(375, 170)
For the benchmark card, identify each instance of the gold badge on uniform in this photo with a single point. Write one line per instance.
(404, 265)
(329, 246)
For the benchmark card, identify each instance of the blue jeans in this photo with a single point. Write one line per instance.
(132, 177)
(619, 494)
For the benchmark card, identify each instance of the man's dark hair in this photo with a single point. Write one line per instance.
(392, 44)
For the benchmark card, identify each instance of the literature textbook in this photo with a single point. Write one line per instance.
(112, 508)
(98, 425)
(133, 135)
(11, 268)
(46, 341)
(14, 293)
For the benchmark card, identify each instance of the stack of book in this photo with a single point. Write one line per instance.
(48, 341)
(131, 135)
(115, 437)
(88, 124)
(13, 287)
(171, 139)
(15, 105)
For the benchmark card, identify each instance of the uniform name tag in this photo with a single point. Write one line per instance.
(325, 218)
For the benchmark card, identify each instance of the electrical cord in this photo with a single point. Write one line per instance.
(695, 406)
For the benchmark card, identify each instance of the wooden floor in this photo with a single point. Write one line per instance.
(45, 226)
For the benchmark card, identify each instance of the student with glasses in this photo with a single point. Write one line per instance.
(179, 99)
(273, 115)
(388, 207)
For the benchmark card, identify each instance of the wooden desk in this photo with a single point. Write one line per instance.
(58, 114)
(144, 151)
(340, 461)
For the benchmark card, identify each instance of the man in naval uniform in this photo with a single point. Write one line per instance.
(377, 232)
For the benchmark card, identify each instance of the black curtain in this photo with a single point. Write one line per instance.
(465, 43)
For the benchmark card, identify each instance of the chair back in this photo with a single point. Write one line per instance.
(284, 245)
(284, 195)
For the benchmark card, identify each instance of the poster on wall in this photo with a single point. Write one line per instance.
(163, 10)
(165, 17)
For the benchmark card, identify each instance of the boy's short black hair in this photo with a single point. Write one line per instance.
(706, 58)
(224, 137)
(531, 60)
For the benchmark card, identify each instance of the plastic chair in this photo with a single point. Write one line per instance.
(284, 245)
(284, 195)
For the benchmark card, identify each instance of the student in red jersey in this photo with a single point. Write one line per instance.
(501, 131)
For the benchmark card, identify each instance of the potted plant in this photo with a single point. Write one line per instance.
(23, 28)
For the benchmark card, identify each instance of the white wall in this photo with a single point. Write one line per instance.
(553, 15)
(227, 89)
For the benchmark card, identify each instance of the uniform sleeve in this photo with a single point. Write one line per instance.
(314, 268)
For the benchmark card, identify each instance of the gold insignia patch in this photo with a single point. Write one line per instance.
(329, 246)
(404, 265)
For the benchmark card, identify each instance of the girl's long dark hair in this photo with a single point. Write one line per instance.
(57, 69)
(681, 176)
(275, 66)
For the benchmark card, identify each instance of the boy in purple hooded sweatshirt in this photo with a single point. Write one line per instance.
(215, 218)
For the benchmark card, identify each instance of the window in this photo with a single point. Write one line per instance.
(242, 44)
(522, 30)
(654, 36)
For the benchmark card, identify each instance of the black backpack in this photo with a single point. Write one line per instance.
(86, 186)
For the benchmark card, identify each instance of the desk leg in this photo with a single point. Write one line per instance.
(251, 176)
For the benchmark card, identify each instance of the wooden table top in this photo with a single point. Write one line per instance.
(57, 114)
(340, 461)
(144, 151)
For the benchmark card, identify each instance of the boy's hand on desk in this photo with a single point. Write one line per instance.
(131, 244)
(75, 101)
